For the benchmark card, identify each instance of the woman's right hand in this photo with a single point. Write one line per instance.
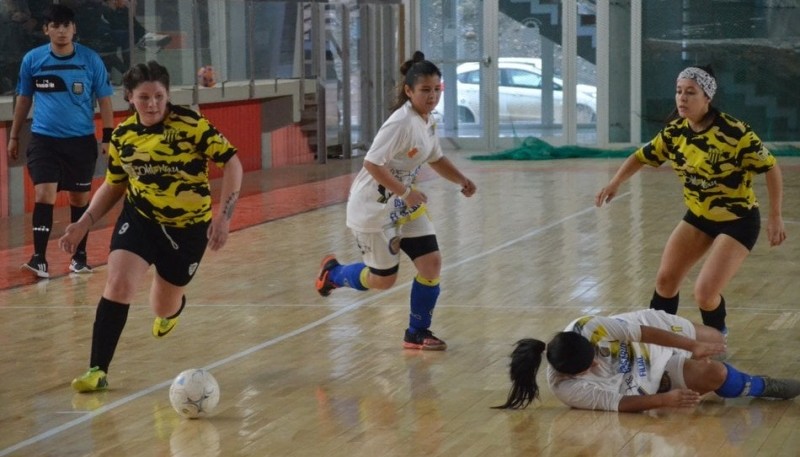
(605, 195)
(13, 148)
(681, 398)
(73, 235)
(415, 197)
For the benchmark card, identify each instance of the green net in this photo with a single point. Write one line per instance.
(533, 148)
(785, 151)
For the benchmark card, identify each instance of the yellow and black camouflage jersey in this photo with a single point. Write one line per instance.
(166, 165)
(717, 165)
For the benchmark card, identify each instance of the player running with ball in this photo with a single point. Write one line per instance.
(158, 166)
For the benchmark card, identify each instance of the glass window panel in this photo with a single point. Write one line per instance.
(752, 48)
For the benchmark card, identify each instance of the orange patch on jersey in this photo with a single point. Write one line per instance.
(412, 153)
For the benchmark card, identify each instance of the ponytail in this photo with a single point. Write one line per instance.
(525, 362)
(568, 353)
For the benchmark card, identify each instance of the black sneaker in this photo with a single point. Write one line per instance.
(423, 340)
(782, 389)
(323, 283)
(79, 265)
(37, 265)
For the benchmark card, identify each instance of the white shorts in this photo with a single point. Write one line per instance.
(374, 246)
(666, 359)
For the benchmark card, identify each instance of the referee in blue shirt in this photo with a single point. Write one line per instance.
(64, 79)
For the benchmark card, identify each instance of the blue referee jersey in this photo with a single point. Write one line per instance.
(63, 89)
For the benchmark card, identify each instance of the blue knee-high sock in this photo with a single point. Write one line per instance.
(353, 275)
(739, 384)
(424, 293)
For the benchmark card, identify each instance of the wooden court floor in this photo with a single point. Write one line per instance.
(302, 375)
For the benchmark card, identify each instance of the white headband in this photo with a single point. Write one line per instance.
(702, 78)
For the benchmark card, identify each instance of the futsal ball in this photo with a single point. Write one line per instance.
(206, 76)
(194, 393)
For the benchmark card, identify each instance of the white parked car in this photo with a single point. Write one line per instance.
(519, 93)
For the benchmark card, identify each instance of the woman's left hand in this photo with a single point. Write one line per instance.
(775, 230)
(218, 232)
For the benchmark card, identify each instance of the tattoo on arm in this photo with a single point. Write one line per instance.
(227, 210)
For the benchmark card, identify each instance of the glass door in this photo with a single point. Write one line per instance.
(513, 69)
(460, 37)
(547, 77)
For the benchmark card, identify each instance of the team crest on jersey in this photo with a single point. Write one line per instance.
(714, 155)
(77, 88)
(170, 135)
(412, 153)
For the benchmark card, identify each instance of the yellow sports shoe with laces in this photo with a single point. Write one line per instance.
(164, 325)
(92, 381)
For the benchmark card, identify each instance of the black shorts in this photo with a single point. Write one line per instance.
(744, 230)
(175, 251)
(70, 162)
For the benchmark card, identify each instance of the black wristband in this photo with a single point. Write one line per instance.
(107, 135)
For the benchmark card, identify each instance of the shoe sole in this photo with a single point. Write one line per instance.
(322, 277)
(158, 333)
(422, 347)
(38, 273)
(82, 387)
(81, 271)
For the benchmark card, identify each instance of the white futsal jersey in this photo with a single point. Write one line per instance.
(403, 143)
(622, 365)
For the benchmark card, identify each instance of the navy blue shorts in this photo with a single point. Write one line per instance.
(744, 230)
(70, 162)
(175, 251)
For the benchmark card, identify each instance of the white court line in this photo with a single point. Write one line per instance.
(125, 400)
(763, 308)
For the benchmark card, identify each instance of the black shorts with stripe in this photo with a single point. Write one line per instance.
(175, 251)
(70, 162)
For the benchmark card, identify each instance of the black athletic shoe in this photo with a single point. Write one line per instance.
(783, 389)
(37, 265)
(423, 340)
(79, 265)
